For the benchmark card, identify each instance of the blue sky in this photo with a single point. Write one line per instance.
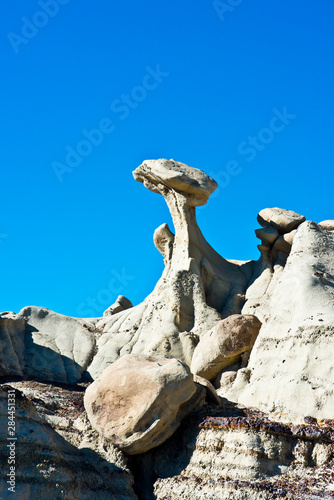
(241, 89)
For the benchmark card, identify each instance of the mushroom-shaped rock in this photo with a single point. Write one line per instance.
(197, 288)
(139, 402)
(222, 346)
(282, 220)
(161, 175)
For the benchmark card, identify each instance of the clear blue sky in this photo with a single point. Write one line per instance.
(204, 83)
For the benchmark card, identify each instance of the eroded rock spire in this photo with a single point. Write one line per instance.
(197, 288)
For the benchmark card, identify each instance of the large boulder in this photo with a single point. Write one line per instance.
(222, 346)
(138, 402)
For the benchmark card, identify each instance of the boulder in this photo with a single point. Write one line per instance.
(176, 176)
(222, 346)
(327, 224)
(138, 402)
(282, 220)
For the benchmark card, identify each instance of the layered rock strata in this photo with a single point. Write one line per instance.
(56, 453)
(243, 454)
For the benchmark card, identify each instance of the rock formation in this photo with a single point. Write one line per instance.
(197, 288)
(154, 428)
(291, 368)
(40, 344)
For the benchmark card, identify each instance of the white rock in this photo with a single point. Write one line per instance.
(121, 304)
(282, 220)
(291, 367)
(327, 224)
(55, 347)
(284, 242)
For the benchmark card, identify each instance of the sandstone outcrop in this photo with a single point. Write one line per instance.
(277, 234)
(237, 453)
(223, 345)
(197, 288)
(40, 344)
(291, 367)
(268, 430)
(137, 402)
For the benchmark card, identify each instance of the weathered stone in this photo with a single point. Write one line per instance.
(139, 402)
(284, 242)
(282, 220)
(211, 392)
(164, 240)
(327, 224)
(267, 234)
(222, 346)
(54, 347)
(197, 288)
(121, 304)
(225, 381)
(226, 376)
(158, 175)
(241, 454)
(57, 453)
(12, 333)
(291, 367)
